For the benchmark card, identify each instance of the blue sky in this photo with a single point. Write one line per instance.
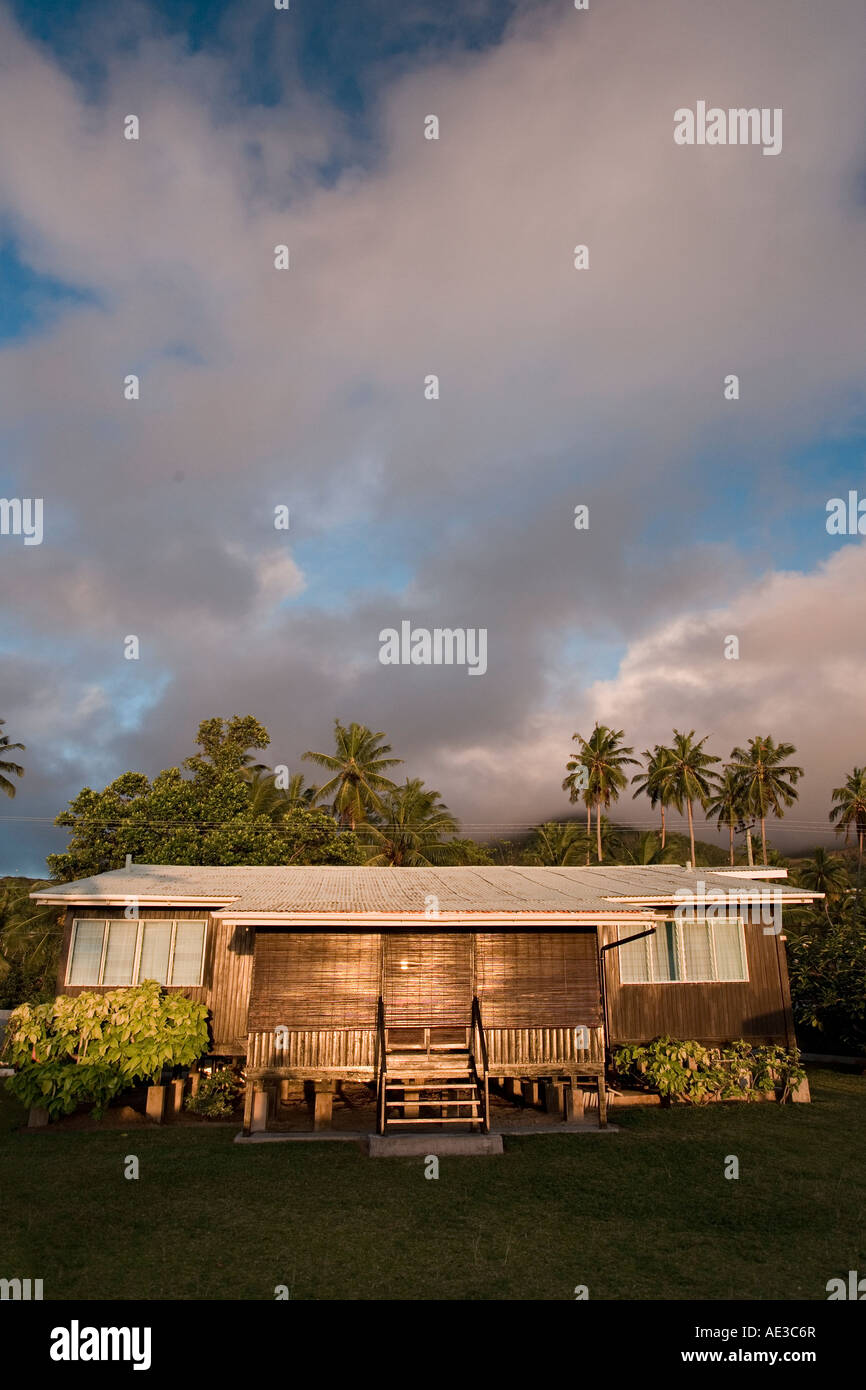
(412, 257)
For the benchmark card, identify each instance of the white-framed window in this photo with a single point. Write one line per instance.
(685, 952)
(116, 951)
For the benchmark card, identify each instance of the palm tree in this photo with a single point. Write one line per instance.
(266, 798)
(410, 828)
(851, 810)
(825, 873)
(604, 756)
(576, 783)
(726, 804)
(7, 766)
(249, 769)
(557, 844)
(768, 782)
(651, 781)
(358, 766)
(298, 795)
(688, 777)
(28, 936)
(648, 850)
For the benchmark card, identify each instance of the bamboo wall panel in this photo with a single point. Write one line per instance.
(314, 1049)
(427, 978)
(309, 980)
(509, 1047)
(535, 979)
(757, 1009)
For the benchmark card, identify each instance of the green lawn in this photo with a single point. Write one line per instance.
(646, 1213)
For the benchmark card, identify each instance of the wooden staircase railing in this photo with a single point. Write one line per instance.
(380, 1065)
(478, 1049)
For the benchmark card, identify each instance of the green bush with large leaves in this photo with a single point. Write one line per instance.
(827, 969)
(30, 939)
(687, 1071)
(91, 1046)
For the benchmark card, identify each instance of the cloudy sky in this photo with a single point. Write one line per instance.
(411, 257)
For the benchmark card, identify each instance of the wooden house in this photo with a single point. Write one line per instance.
(427, 983)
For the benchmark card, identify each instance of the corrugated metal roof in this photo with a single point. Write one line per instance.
(340, 889)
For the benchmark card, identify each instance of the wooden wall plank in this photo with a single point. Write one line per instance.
(757, 1010)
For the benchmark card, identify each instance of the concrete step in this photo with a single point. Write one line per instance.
(442, 1145)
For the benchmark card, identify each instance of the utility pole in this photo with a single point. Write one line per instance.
(746, 827)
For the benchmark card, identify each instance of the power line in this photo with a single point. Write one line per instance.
(785, 821)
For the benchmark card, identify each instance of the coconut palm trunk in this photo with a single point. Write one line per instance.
(598, 829)
(767, 782)
(691, 835)
(731, 841)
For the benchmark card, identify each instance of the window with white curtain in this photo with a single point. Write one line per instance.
(85, 960)
(114, 952)
(685, 952)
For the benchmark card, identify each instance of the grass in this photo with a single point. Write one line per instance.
(643, 1214)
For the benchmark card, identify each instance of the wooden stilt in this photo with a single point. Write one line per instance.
(176, 1091)
(260, 1110)
(323, 1105)
(602, 1104)
(248, 1107)
(575, 1102)
(554, 1098)
(155, 1104)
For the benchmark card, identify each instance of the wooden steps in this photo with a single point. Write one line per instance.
(430, 1089)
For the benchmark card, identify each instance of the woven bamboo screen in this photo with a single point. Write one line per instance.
(428, 979)
(538, 979)
(315, 980)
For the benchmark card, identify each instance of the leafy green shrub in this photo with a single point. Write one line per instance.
(689, 1072)
(30, 939)
(218, 1095)
(27, 982)
(91, 1046)
(827, 968)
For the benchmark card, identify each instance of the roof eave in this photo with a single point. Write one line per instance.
(121, 900)
(542, 917)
